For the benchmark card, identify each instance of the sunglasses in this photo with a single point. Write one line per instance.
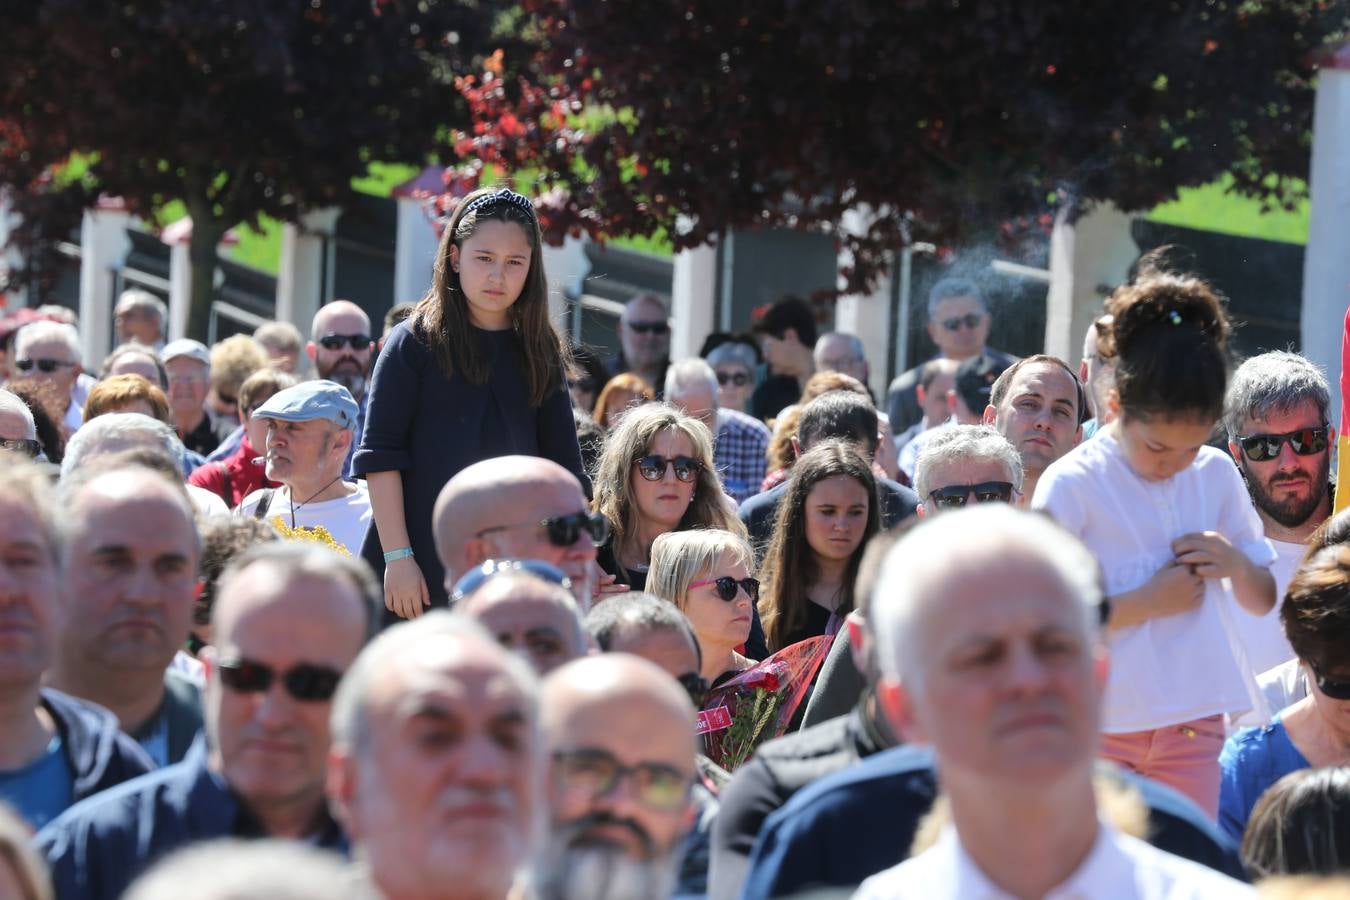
(695, 686)
(649, 327)
(338, 341)
(970, 320)
(563, 531)
(44, 365)
(726, 587)
(475, 578)
(653, 468)
(25, 446)
(1305, 442)
(740, 379)
(1333, 688)
(597, 773)
(305, 682)
(954, 496)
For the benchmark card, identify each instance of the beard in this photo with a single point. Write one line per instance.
(350, 374)
(1295, 510)
(573, 869)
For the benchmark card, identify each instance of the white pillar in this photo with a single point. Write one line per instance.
(13, 260)
(305, 277)
(566, 268)
(692, 291)
(180, 288)
(414, 251)
(1326, 265)
(866, 315)
(104, 246)
(1087, 258)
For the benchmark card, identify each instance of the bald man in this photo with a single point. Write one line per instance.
(343, 350)
(530, 616)
(517, 507)
(619, 734)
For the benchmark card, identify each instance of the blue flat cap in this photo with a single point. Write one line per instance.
(312, 400)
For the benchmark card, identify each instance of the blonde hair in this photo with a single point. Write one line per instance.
(614, 475)
(234, 359)
(679, 558)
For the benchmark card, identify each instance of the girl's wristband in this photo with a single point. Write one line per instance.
(400, 553)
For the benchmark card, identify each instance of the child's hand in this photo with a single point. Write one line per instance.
(1209, 553)
(405, 590)
(1175, 589)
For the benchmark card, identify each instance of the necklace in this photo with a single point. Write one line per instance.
(301, 504)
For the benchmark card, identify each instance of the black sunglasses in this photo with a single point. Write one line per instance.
(740, 379)
(44, 365)
(563, 531)
(954, 496)
(305, 682)
(1305, 442)
(337, 341)
(1333, 688)
(726, 587)
(597, 772)
(970, 320)
(653, 468)
(650, 327)
(695, 686)
(25, 446)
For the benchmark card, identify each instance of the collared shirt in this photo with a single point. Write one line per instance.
(740, 453)
(1118, 867)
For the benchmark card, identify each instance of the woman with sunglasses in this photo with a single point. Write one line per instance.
(1315, 731)
(706, 574)
(824, 522)
(655, 476)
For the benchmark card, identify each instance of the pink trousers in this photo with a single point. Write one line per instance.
(1184, 757)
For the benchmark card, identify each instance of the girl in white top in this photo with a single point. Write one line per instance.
(1174, 531)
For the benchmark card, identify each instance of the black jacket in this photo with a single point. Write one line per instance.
(99, 754)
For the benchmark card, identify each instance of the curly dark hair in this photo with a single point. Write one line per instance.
(1316, 610)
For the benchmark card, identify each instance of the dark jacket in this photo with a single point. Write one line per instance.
(98, 847)
(855, 823)
(183, 706)
(99, 754)
(761, 511)
(902, 398)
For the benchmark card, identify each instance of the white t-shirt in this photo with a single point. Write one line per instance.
(1118, 867)
(207, 503)
(1175, 668)
(345, 519)
(1263, 636)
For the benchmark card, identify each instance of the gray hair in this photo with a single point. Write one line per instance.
(349, 720)
(131, 348)
(88, 441)
(734, 352)
(279, 336)
(979, 538)
(855, 345)
(237, 869)
(12, 403)
(1270, 384)
(948, 288)
(640, 611)
(138, 298)
(47, 331)
(292, 558)
(963, 443)
(688, 373)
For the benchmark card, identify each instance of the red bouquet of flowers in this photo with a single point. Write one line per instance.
(758, 704)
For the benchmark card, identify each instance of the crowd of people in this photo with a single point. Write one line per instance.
(462, 611)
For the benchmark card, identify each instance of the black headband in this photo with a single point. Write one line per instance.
(505, 195)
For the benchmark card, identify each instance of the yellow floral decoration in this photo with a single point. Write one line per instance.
(317, 533)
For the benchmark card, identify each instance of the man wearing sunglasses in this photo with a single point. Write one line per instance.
(343, 351)
(18, 430)
(619, 738)
(958, 324)
(288, 621)
(48, 354)
(966, 465)
(518, 507)
(1276, 416)
(644, 340)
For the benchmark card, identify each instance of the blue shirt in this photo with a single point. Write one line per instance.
(41, 789)
(1252, 760)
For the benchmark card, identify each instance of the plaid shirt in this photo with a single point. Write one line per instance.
(740, 453)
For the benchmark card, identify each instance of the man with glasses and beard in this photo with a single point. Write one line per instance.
(343, 350)
(1278, 433)
(288, 621)
(619, 737)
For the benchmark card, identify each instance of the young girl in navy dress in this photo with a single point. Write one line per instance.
(475, 372)
(1172, 526)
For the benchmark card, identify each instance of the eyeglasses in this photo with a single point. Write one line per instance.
(1333, 688)
(649, 327)
(563, 531)
(954, 496)
(475, 578)
(597, 773)
(970, 320)
(740, 379)
(44, 365)
(1305, 442)
(338, 341)
(653, 468)
(26, 446)
(306, 682)
(726, 587)
(695, 686)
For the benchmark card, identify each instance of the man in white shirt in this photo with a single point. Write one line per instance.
(1278, 433)
(1008, 695)
(309, 430)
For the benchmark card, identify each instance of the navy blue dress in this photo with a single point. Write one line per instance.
(429, 427)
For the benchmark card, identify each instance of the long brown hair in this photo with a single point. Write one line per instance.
(789, 567)
(441, 319)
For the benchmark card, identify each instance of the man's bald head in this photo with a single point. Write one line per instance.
(531, 616)
(103, 486)
(611, 680)
(335, 312)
